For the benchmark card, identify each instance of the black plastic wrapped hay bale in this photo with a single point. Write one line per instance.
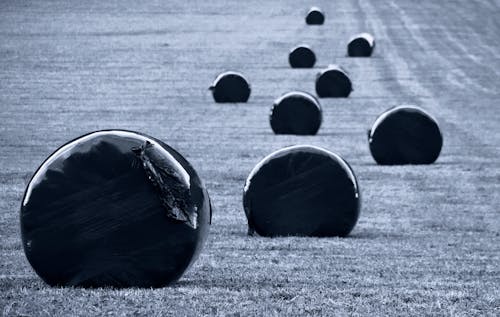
(297, 113)
(405, 135)
(302, 57)
(230, 87)
(361, 45)
(301, 191)
(114, 209)
(333, 82)
(315, 16)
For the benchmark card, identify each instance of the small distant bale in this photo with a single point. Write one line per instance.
(333, 82)
(405, 135)
(315, 16)
(230, 87)
(361, 45)
(297, 113)
(302, 57)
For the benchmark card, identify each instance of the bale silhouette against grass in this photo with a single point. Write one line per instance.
(405, 135)
(296, 112)
(302, 57)
(301, 191)
(230, 87)
(361, 45)
(315, 16)
(333, 82)
(114, 209)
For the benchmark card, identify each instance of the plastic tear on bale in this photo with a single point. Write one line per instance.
(361, 45)
(230, 87)
(301, 191)
(302, 57)
(296, 113)
(405, 135)
(333, 82)
(315, 16)
(114, 209)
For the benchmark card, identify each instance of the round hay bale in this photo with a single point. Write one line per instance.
(315, 16)
(333, 82)
(361, 45)
(114, 209)
(230, 87)
(301, 191)
(297, 113)
(405, 135)
(302, 57)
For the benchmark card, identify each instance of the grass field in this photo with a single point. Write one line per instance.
(428, 239)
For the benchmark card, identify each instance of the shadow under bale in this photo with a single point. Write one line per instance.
(114, 209)
(296, 113)
(361, 45)
(315, 16)
(333, 82)
(405, 135)
(302, 57)
(301, 191)
(230, 87)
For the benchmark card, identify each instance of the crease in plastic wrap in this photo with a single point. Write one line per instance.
(169, 184)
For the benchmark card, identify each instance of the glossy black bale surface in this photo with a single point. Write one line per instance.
(301, 191)
(361, 45)
(315, 17)
(230, 87)
(302, 57)
(405, 135)
(333, 82)
(296, 113)
(114, 209)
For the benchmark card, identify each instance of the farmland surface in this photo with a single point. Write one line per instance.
(427, 241)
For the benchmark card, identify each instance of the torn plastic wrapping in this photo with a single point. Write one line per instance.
(173, 191)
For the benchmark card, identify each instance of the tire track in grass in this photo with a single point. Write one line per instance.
(480, 53)
(458, 185)
(423, 96)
